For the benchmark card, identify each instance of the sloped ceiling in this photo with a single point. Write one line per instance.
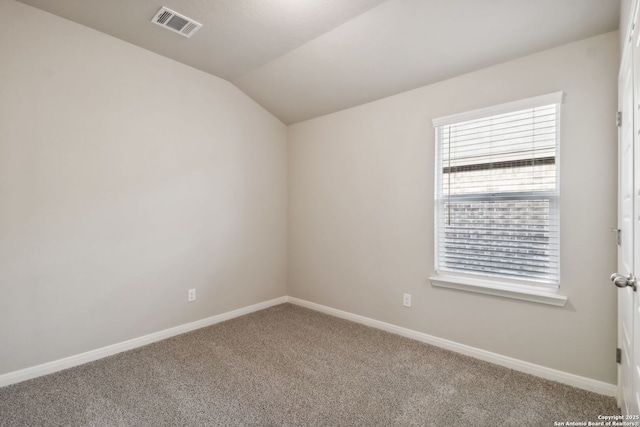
(304, 58)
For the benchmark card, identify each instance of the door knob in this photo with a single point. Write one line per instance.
(622, 282)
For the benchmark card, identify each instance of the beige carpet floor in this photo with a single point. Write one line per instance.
(289, 366)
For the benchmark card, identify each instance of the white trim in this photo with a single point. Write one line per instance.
(498, 359)
(90, 356)
(518, 365)
(536, 101)
(500, 286)
(538, 294)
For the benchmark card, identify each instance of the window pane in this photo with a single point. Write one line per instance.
(496, 196)
(513, 238)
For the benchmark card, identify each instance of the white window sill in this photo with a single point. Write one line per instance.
(521, 292)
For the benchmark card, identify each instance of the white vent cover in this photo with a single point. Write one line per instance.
(175, 22)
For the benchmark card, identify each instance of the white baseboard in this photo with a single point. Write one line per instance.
(90, 356)
(509, 362)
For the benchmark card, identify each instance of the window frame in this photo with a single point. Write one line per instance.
(546, 292)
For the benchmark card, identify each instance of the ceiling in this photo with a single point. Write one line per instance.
(304, 58)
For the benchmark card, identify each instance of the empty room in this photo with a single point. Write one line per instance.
(319, 213)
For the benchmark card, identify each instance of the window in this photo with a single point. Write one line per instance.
(496, 196)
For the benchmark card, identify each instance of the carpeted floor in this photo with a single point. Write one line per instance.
(289, 366)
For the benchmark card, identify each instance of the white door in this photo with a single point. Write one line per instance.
(629, 226)
(629, 297)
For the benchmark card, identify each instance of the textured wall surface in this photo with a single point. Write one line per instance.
(126, 179)
(361, 212)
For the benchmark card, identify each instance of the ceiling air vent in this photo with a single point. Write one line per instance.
(175, 22)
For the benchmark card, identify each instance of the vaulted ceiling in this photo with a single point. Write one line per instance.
(304, 58)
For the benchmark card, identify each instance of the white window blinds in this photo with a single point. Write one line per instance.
(497, 191)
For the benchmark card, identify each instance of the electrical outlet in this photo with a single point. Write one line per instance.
(406, 300)
(191, 295)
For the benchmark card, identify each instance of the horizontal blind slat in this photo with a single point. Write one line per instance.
(506, 274)
(496, 195)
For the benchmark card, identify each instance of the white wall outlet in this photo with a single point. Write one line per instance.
(191, 295)
(406, 300)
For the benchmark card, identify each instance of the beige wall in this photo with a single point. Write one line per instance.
(361, 212)
(125, 179)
